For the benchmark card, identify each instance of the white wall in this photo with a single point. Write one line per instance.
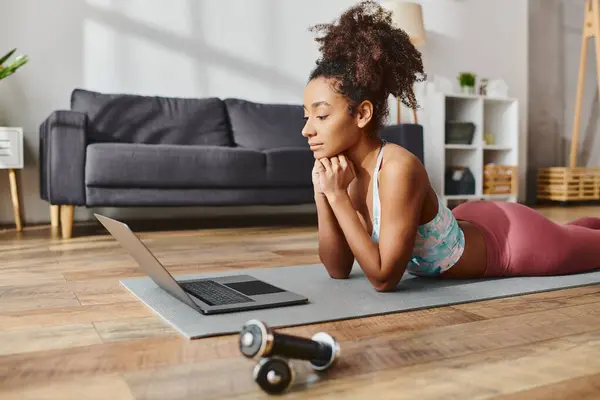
(255, 49)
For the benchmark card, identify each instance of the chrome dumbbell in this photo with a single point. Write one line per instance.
(273, 373)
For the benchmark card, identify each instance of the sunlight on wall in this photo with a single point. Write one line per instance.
(229, 48)
(254, 57)
(241, 29)
(106, 4)
(174, 19)
(100, 68)
(119, 61)
(151, 68)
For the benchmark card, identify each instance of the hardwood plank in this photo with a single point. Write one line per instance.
(77, 314)
(100, 291)
(17, 276)
(94, 388)
(533, 302)
(584, 387)
(46, 338)
(130, 271)
(133, 328)
(108, 358)
(32, 297)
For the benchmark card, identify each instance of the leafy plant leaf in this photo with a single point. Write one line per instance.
(7, 56)
(13, 67)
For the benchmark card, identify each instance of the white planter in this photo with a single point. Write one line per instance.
(467, 89)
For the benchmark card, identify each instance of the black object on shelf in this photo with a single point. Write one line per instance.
(459, 180)
(459, 132)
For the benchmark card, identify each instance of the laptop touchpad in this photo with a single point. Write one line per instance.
(253, 288)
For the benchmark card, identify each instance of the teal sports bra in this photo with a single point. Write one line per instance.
(439, 243)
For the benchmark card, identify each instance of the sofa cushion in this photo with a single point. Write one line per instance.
(289, 167)
(266, 126)
(129, 118)
(173, 166)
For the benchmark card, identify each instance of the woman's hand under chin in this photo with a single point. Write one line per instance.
(336, 175)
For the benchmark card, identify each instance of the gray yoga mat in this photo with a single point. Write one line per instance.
(331, 299)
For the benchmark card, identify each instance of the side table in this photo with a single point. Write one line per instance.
(11, 158)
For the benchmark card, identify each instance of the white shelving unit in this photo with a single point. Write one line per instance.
(498, 116)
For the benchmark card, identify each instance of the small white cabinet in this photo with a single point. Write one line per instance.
(11, 158)
(11, 148)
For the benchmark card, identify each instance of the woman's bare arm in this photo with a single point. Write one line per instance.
(402, 189)
(334, 251)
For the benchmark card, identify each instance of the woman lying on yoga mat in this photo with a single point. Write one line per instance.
(374, 199)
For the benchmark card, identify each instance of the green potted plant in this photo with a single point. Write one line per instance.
(467, 82)
(9, 69)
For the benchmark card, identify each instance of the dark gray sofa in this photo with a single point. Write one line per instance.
(123, 150)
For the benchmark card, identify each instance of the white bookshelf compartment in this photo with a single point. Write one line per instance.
(500, 157)
(468, 158)
(461, 109)
(500, 118)
(494, 115)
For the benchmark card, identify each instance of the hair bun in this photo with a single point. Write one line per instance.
(380, 58)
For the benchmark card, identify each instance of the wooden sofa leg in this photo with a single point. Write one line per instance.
(66, 220)
(54, 216)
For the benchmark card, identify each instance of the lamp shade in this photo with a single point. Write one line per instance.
(408, 17)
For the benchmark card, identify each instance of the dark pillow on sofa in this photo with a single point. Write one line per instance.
(265, 126)
(153, 120)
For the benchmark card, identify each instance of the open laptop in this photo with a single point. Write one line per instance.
(208, 295)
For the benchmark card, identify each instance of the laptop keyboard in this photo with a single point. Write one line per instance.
(215, 294)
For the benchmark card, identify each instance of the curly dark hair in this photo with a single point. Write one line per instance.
(369, 59)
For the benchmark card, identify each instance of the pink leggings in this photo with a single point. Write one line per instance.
(522, 242)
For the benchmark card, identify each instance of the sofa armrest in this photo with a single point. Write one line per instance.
(409, 136)
(63, 143)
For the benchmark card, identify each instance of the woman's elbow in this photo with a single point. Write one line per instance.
(338, 270)
(387, 280)
(339, 274)
(386, 286)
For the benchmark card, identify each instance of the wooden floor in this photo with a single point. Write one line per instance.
(68, 330)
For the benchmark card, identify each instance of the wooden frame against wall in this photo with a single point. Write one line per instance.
(574, 183)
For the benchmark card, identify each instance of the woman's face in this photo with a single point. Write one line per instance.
(329, 128)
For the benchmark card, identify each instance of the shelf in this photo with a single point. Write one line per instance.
(461, 146)
(474, 146)
(494, 116)
(497, 196)
(462, 197)
(476, 197)
(479, 97)
(499, 99)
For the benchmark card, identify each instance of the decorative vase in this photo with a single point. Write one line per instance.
(489, 138)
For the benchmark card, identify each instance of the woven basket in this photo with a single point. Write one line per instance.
(499, 179)
(566, 184)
